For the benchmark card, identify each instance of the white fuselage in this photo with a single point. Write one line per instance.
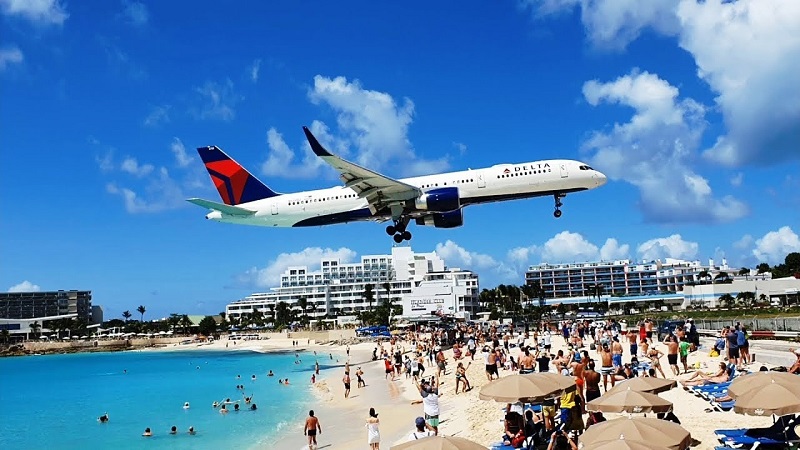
(496, 183)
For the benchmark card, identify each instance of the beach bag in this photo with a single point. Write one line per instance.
(714, 353)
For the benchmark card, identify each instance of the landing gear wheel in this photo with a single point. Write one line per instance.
(390, 230)
(557, 213)
(407, 235)
(398, 238)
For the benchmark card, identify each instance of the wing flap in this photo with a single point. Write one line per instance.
(379, 190)
(221, 207)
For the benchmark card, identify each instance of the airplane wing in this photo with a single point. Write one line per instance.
(221, 207)
(379, 190)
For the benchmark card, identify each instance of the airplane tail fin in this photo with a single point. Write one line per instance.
(235, 184)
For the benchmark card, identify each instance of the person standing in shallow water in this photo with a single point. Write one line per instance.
(346, 381)
(311, 428)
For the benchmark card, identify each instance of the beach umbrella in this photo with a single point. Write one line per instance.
(440, 443)
(622, 443)
(657, 432)
(529, 388)
(774, 398)
(629, 401)
(652, 385)
(759, 380)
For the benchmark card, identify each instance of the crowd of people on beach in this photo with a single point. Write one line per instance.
(597, 354)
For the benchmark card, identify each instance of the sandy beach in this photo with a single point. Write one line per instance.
(462, 414)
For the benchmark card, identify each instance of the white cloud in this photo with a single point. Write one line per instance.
(737, 179)
(371, 130)
(461, 147)
(106, 162)
(456, 256)
(218, 101)
(775, 245)
(44, 12)
(748, 52)
(132, 166)
(374, 123)
(25, 286)
(568, 247)
(281, 158)
(270, 275)
(745, 242)
(612, 250)
(10, 55)
(668, 247)
(181, 157)
(159, 115)
(159, 193)
(254, 69)
(135, 13)
(655, 149)
(615, 23)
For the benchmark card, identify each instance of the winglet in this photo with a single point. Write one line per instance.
(318, 149)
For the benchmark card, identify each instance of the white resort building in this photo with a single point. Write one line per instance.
(420, 282)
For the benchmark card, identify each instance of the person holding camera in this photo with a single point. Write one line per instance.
(561, 441)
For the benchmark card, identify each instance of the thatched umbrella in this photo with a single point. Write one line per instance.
(440, 443)
(529, 388)
(651, 385)
(629, 401)
(660, 433)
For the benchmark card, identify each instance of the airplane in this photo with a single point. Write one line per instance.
(432, 200)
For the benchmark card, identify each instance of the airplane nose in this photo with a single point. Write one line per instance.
(599, 178)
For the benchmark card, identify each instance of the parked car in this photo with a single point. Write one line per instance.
(668, 326)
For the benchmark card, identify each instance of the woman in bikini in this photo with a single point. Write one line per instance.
(655, 355)
(461, 376)
(700, 378)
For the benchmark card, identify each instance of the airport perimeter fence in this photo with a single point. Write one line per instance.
(777, 324)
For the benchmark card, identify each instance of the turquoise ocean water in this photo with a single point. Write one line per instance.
(53, 401)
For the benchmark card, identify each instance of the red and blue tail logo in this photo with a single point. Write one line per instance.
(235, 184)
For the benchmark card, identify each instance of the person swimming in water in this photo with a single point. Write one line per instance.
(191, 431)
(215, 405)
(147, 432)
(253, 407)
(173, 430)
(186, 405)
(270, 374)
(103, 418)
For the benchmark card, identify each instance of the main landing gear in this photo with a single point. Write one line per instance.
(399, 230)
(558, 197)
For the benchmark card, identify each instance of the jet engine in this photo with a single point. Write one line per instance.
(450, 219)
(439, 200)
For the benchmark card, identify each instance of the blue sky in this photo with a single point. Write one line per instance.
(690, 108)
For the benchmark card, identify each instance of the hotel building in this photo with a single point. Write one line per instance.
(618, 278)
(337, 288)
(19, 309)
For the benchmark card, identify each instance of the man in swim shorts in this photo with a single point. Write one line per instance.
(608, 366)
(311, 428)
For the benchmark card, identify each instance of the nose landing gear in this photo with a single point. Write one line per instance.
(557, 198)
(399, 230)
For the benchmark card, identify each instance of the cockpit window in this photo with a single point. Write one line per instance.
(585, 168)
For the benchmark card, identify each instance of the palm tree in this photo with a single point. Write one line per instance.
(722, 277)
(763, 268)
(257, 317)
(141, 310)
(726, 300)
(35, 327)
(271, 308)
(302, 302)
(174, 320)
(5, 335)
(744, 272)
(127, 315)
(703, 275)
(763, 299)
(369, 295)
(388, 288)
(282, 314)
(186, 323)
